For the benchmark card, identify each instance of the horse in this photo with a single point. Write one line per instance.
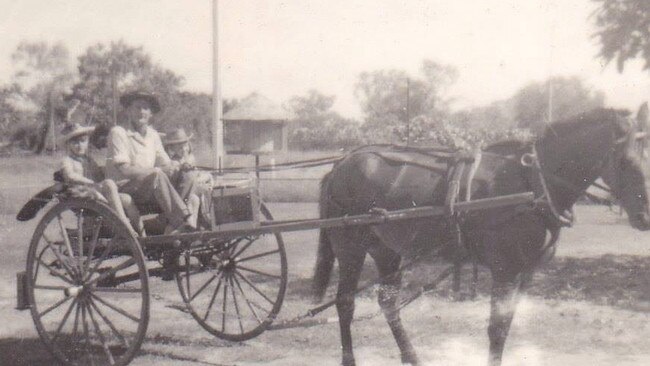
(510, 242)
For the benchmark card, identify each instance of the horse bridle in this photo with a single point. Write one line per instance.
(564, 219)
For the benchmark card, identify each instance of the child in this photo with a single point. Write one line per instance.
(87, 177)
(193, 186)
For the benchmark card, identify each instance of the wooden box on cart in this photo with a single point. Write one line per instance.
(235, 204)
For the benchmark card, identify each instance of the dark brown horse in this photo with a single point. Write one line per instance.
(572, 154)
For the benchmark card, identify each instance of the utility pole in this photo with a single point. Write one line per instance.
(114, 92)
(408, 116)
(50, 98)
(217, 108)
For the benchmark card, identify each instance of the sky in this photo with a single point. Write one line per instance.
(283, 48)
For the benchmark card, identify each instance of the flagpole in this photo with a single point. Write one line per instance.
(217, 122)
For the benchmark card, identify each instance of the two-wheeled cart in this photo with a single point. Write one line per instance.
(87, 275)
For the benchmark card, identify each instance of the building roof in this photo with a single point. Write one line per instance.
(256, 107)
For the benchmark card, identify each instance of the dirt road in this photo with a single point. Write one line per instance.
(590, 306)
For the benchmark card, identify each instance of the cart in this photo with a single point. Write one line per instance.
(87, 276)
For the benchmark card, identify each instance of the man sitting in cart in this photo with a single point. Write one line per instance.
(139, 165)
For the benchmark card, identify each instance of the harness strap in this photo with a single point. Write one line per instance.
(532, 160)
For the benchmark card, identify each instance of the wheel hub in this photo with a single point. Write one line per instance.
(74, 291)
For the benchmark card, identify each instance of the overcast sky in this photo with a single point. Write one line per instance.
(283, 48)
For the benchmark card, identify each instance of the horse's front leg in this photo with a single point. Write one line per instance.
(502, 309)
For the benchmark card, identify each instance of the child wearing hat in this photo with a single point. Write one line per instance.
(194, 186)
(86, 177)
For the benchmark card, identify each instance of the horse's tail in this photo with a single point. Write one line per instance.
(325, 255)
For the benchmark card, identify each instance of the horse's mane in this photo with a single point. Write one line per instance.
(567, 126)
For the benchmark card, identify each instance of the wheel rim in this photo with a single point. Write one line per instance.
(235, 289)
(82, 315)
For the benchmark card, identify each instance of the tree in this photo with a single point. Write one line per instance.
(570, 96)
(41, 79)
(119, 68)
(623, 31)
(316, 126)
(383, 98)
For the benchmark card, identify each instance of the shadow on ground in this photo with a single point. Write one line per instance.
(614, 280)
(24, 352)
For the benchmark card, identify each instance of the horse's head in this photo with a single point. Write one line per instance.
(624, 174)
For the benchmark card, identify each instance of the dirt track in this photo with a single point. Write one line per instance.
(590, 306)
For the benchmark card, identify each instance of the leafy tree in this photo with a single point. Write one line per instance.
(41, 79)
(316, 126)
(125, 68)
(495, 116)
(570, 96)
(383, 98)
(623, 31)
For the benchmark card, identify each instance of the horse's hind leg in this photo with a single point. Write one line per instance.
(350, 257)
(388, 263)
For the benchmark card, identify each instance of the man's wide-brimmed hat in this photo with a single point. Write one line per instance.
(176, 136)
(73, 130)
(128, 98)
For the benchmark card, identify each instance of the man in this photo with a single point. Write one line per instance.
(138, 163)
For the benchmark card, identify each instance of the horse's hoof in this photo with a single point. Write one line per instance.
(410, 360)
(348, 360)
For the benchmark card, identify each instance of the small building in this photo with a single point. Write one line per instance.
(256, 125)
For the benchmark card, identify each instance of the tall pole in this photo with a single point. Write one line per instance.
(408, 116)
(51, 118)
(114, 94)
(217, 122)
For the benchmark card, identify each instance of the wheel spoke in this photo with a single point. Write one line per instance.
(258, 255)
(43, 287)
(66, 238)
(117, 290)
(112, 271)
(258, 272)
(201, 288)
(65, 319)
(242, 249)
(101, 260)
(254, 287)
(38, 263)
(214, 296)
(58, 303)
(76, 321)
(109, 323)
(84, 324)
(100, 335)
(223, 306)
(93, 244)
(232, 246)
(246, 299)
(115, 308)
(187, 272)
(55, 273)
(69, 270)
(80, 241)
(234, 300)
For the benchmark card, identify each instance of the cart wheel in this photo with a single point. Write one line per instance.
(82, 311)
(235, 288)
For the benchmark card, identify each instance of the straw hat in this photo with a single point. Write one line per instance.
(73, 130)
(177, 136)
(128, 98)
